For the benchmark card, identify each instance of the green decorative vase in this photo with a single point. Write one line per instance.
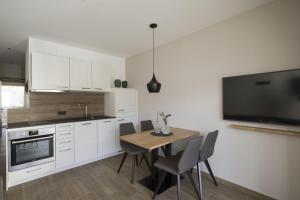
(117, 83)
(124, 84)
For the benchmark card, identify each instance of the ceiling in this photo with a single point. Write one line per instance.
(116, 27)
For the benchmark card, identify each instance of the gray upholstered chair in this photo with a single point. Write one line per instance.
(207, 151)
(132, 150)
(146, 125)
(180, 164)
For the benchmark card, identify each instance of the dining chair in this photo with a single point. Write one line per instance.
(146, 125)
(132, 150)
(207, 150)
(180, 164)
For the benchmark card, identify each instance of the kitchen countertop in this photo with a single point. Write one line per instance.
(55, 121)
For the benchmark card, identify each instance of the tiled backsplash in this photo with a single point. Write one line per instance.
(44, 106)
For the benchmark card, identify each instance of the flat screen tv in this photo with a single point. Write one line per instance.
(268, 97)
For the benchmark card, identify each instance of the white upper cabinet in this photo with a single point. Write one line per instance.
(52, 66)
(49, 72)
(126, 100)
(80, 75)
(101, 77)
(121, 102)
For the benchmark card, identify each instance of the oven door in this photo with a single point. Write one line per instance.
(31, 151)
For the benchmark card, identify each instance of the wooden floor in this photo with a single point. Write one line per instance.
(99, 181)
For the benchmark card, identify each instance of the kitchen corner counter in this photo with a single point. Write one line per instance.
(55, 121)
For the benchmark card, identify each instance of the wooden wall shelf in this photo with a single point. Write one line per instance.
(266, 130)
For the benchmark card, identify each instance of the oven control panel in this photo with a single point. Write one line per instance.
(33, 132)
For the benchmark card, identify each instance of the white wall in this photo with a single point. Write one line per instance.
(117, 63)
(191, 70)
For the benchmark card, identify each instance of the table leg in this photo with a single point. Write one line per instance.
(154, 158)
(168, 149)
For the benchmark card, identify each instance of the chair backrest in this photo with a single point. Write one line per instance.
(146, 125)
(208, 147)
(189, 157)
(127, 128)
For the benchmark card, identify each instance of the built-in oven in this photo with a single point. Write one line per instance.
(31, 147)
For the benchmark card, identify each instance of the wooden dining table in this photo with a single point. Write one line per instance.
(152, 143)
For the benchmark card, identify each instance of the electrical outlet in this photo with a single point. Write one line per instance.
(61, 112)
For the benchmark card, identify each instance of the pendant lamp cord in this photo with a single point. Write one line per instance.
(153, 52)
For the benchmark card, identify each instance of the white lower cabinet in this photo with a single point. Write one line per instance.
(65, 127)
(64, 153)
(24, 175)
(64, 145)
(76, 144)
(108, 137)
(86, 140)
(64, 157)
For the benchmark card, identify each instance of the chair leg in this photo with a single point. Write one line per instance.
(189, 174)
(122, 162)
(161, 180)
(199, 179)
(178, 187)
(133, 168)
(141, 160)
(210, 172)
(136, 160)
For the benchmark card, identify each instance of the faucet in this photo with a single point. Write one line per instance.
(85, 108)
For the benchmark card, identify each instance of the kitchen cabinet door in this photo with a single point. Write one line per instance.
(107, 137)
(126, 100)
(86, 140)
(134, 120)
(101, 77)
(49, 72)
(80, 75)
(64, 156)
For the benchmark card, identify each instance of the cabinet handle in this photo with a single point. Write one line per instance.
(65, 133)
(30, 140)
(65, 142)
(87, 124)
(107, 121)
(65, 126)
(99, 88)
(34, 170)
(62, 86)
(121, 110)
(69, 149)
(121, 120)
(85, 88)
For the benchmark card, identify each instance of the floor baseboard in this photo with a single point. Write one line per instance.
(247, 191)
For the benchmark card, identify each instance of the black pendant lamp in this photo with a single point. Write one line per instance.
(153, 86)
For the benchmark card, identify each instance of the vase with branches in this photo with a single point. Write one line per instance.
(165, 128)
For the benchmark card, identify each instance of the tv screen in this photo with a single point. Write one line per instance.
(268, 97)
